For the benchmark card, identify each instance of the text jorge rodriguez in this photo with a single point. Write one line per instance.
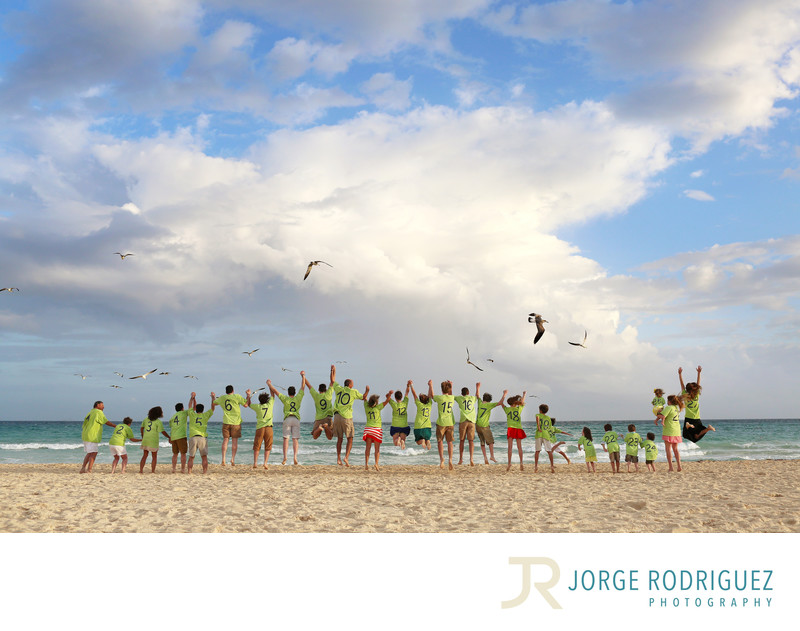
(731, 588)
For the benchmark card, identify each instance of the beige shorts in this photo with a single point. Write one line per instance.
(118, 450)
(291, 427)
(179, 445)
(613, 456)
(198, 443)
(444, 432)
(231, 431)
(485, 434)
(466, 430)
(319, 423)
(343, 427)
(263, 435)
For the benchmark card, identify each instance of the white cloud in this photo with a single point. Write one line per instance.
(698, 173)
(388, 92)
(700, 196)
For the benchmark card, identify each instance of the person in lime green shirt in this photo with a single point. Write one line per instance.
(633, 443)
(650, 452)
(264, 427)
(323, 405)
(585, 444)
(177, 435)
(422, 420)
(343, 428)
(514, 432)
(92, 434)
(671, 435)
(291, 415)
(658, 401)
(197, 429)
(468, 408)
(482, 428)
(693, 428)
(611, 446)
(445, 421)
(231, 403)
(116, 443)
(151, 428)
(400, 430)
(373, 432)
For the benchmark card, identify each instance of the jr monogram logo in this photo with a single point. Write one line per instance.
(542, 588)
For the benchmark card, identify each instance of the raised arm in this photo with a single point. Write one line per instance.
(213, 401)
(430, 389)
(388, 397)
(333, 373)
(699, 370)
(478, 390)
(524, 394)
(303, 381)
(192, 401)
(272, 389)
(680, 377)
(249, 394)
(366, 393)
(502, 403)
(413, 392)
(408, 385)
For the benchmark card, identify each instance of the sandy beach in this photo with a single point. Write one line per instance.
(741, 496)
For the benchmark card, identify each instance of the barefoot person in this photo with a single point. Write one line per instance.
(514, 431)
(263, 410)
(197, 426)
(422, 420)
(177, 435)
(373, 432)
(151, 428)
(92, 434)
(485, 407)
(291, 415)
(670, 417)
(345, 395)
(693, 428)
(116, 443)
(444, 424)
(231, 403)
(468, 409)
(323, 406)
(400, 430)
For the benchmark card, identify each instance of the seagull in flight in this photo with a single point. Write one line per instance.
(471, 364)
(83, 377)
(312, 264)
(165, 373)
(581, 344)
(535, 317)
(114, 386)
(249, 353)
(144, 376)
(190, 377)
(341, 362)
(9, 289)
(122, 256)
(118, 373)
(286, 369)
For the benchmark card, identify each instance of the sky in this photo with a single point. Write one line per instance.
(626, 169)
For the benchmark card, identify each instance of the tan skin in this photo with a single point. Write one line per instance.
(517, 402)
(88, 461)
(421, 442)
(192, 406)
(446, 389)
(369, 441)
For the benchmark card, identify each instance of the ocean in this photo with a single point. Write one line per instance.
(34, 442)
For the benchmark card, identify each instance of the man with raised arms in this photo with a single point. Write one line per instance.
(197, 429)
(323, 404)
(263, 410)
(446, 420)
(92, 434)
(177, 436)
(291, 414)
(468, 407)
(231, 421)
(345, 395)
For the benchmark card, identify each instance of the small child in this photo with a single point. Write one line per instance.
(633, 443)
(650, 452)
(557, 447)
(610, 439)
(151, 427)
(585, 443)
(514, 424)
(122, 432)
(658, 401)
(485, 407)
(373, 432)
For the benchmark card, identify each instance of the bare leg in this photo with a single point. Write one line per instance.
(124, 463)
(285, 448)
(377, 456)
(114, 464)
(483, 451)
(510, 446)
(235, 445)
(295, 447)
(339, 449)
(471, 453)
(440, 447)
(174, 463)
(224, 449)
(366, 453)
(461, 451)
(153, 461)
(491, 453)
(348, 447)
(519, 451)
(450, 454)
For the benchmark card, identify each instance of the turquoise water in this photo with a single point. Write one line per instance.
(752, 439)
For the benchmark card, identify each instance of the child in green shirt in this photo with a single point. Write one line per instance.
(650, 452)
(611, 446)
(633, 443)
(121, 433)
(585, 444)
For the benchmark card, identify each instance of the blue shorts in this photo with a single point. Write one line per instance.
(423, 433)
(399, 430)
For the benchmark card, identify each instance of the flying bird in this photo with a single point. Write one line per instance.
(249, 353)
(122, 256)
(144, 376)
(9, 289)
(114, 386)
(535, 317)
(312, 264)
(489, 360)
(286, 369)
(190, 377)
(118, 373)
(165, 373)
(471, 364)
(341, 362)
(258, 389)
(77, 374)
(581, 344)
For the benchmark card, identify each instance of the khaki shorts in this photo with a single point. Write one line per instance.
(179, 445)
(613, 456)
(343, 427)
(629, 458)
(444, 432)
(263, 435)
(231, 431)
(485, 434)
(291, 427)
(198, 443)
(319, 423)
(466, 430)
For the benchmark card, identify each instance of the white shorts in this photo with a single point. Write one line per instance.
(198, 443)
(118, 450)
(90, 448)
(150, 449)
(291, 427)
(546, 444)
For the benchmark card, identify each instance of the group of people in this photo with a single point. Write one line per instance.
(333, 402)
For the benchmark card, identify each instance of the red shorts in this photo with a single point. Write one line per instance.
(672, 439)
(375, 433)
(514, 432)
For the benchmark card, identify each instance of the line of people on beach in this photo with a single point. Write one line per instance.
(333, 404)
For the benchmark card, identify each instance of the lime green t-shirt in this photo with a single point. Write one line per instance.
(468, 405)
(231, 412)
(610, 439)
(323, 404)
(373, 414)
(399, 412)
(92, 429)
(485, 412)
(423, 417)
(672, 423)
(177, 425)
(345, 397)
(650, 450)
(543, 426)
(121, 433)
(551, 433)
(692, 407)
(152, 429)
(588, 447)
(291, 405)
(633, 443)
(514, 416)
(198, 423)
(263, 413)
(445, 404)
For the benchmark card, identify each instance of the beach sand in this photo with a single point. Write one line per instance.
(743, 496)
